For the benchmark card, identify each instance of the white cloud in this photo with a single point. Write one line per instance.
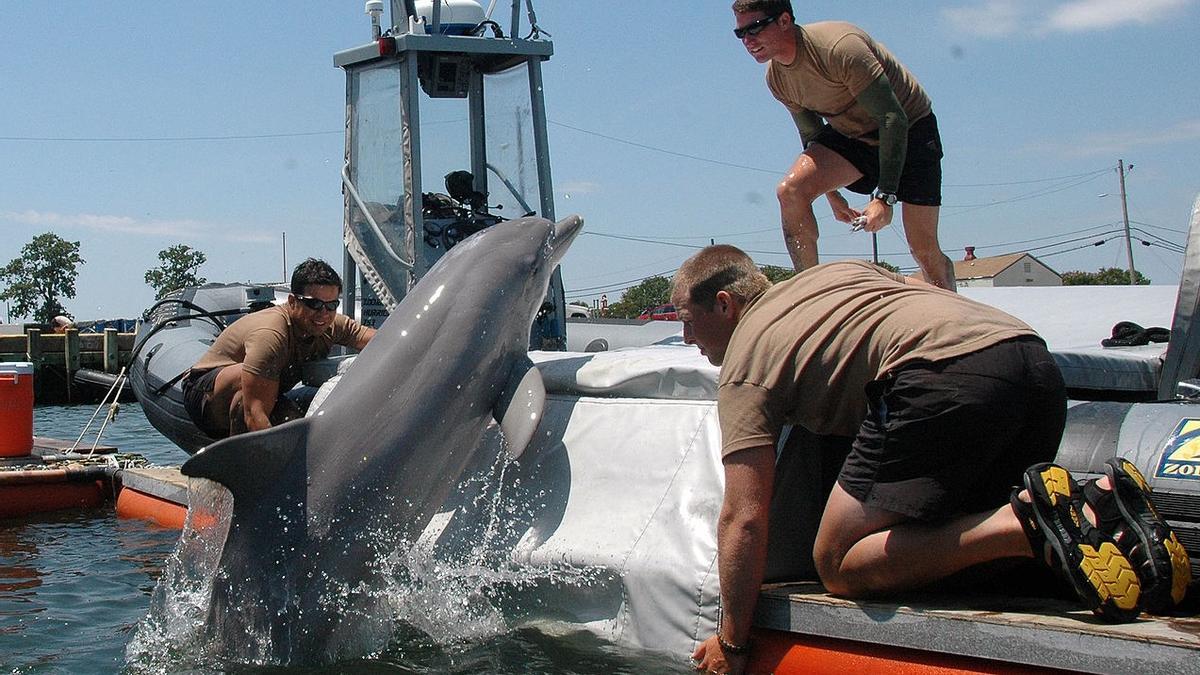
(999, 18)
(1084, 15)
(994, 18)
(191, 229)
(1114, 142)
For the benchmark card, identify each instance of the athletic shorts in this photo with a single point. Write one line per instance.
(954, 437)
(196, 388)
(921, 180)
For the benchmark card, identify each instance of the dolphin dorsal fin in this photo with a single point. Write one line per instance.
(519, 408)
(250, 465)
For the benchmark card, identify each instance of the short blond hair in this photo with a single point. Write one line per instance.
(718, 268)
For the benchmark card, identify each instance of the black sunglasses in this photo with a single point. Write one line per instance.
(315, 304)
(755, 27)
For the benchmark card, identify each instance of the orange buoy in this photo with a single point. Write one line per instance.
(134, 504)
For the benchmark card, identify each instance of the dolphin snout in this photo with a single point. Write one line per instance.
(565, 232)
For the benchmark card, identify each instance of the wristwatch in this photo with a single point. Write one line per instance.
(885, 197)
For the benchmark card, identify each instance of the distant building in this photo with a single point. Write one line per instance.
(1013, 269)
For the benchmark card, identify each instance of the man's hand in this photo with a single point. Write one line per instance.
(710, 658)
(841, 208)
(879, 215)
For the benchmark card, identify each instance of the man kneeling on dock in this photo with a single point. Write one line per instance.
(943, 405)
(239, 384)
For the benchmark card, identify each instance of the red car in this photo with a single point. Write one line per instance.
(660, 313)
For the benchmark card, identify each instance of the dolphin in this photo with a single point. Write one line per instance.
(320, 503)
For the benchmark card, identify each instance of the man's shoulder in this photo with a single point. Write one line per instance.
(830, 31)
(265, 323)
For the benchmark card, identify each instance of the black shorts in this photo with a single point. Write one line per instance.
(196, 388)
(921, 180)
(954, 437)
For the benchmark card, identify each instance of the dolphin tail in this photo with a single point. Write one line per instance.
(519, 408)
(251, 465)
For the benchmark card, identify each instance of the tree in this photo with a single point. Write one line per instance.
(176, 269)
(44, 273)
(1107, 276)
(777, 274)
(889, 267)
(651, 292)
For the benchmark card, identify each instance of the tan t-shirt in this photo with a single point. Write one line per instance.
(805, 350)
(268, 345)
(835, 61)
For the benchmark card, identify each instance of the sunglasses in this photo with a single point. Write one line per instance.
(755, 27)
(316, 304)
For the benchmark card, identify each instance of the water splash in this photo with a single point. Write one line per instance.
(172, 631)
(462, 583)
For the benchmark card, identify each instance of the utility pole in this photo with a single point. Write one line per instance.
(1125, 216)
(285, 271)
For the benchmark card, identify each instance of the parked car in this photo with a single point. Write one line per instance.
(578, 310)
(660, 313)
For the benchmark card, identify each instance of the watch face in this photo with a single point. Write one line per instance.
(886, 198)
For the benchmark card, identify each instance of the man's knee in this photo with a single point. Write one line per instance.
(797, 189)
(828, 557)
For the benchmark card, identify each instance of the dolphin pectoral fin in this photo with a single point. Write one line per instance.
(519, 409)
(250, 465)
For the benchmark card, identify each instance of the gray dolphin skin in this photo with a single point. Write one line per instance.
(320, 503)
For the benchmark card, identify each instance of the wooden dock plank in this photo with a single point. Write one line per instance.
(1032, 631)
(163, 482)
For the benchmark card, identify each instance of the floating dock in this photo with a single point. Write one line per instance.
(57, 476)
(71, 367)
(46, 481)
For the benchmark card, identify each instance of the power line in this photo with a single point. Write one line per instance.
(1158, 227)
(643, 146)
(1026, 182)
(1052, 236)
(163, 139)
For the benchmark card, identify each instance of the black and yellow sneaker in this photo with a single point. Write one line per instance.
(1098, 571)
(1127, 515)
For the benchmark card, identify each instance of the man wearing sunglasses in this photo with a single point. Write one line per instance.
(865, 123)
(240, 384)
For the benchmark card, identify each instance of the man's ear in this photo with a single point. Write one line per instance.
(725, 304)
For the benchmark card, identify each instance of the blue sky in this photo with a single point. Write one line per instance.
(134, 126)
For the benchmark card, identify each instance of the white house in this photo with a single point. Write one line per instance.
(1013, 269)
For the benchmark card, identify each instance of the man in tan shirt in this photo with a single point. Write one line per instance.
(865, 124)
(941, 403)
(239, 384)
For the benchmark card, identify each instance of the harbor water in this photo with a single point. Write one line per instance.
(76, 587)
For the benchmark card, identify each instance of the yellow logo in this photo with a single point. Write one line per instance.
(1181, 456)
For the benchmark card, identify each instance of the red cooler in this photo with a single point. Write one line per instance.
(16, 409)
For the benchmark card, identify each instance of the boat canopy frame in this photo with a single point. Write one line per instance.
(388, 241)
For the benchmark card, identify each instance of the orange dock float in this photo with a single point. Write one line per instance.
(44, 480)
(155, 494)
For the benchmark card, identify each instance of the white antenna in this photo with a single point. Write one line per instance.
(375, 9)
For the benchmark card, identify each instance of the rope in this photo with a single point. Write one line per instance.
(113, 407)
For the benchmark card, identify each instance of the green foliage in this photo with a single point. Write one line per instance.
(889, 267)
(649, 293)
(44, 273)
(176, 269)
(1107, 276)
(777, 274)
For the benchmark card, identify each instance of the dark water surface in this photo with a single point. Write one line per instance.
(74, 585)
